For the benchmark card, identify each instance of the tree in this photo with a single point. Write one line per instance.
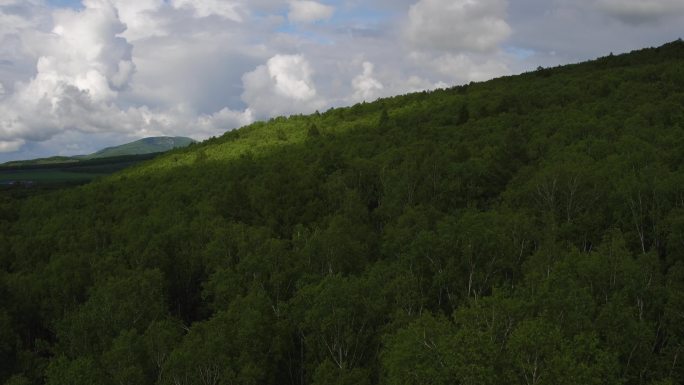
(337, 319)
(234, 346)
(432, 350)
(131, 301)
(463, 114)
(312, 131)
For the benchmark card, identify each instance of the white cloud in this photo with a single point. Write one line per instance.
(18, 19)
(366, 87)
(456, 41)
(463, 68)
(414, 84)
(81, 67)
(291, 75)
(203, 8)
(85, 50)
(307, 11)
(139, 17)
(641, 11)
(458, 25)
(225, 119)
(284, 85)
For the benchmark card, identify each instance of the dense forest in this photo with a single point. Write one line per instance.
(526, 230)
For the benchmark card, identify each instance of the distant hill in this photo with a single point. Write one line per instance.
(40, 161)
(65, 170)
(142, 146)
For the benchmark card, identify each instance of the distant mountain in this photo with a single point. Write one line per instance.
(139, 147)
(142, 146)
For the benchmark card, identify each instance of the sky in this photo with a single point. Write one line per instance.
(77, 76)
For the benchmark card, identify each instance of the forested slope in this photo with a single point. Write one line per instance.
(526, 230)
(149, 145)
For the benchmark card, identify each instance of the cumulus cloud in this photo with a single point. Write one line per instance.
(458, 25)
(463, 68)
(366, 87)
(226, 119)
(457, 41)
(640, 11)
(82, 64)
(283, 85)
(307, 11)
(85, 51)
(17, 57)
(139, 17)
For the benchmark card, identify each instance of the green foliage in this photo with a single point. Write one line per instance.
(313, 131)
(133, 301)
(431, 350)
(81, 371)
(234, 346)
(526, 230)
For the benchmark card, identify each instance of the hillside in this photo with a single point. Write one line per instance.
(143, 146)
(524, 230)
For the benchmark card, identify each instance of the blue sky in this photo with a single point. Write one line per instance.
(65, 3)
(78, 76)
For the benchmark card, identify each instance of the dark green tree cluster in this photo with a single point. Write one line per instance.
(527, 230)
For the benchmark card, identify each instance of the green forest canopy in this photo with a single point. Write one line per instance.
(525, 230)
